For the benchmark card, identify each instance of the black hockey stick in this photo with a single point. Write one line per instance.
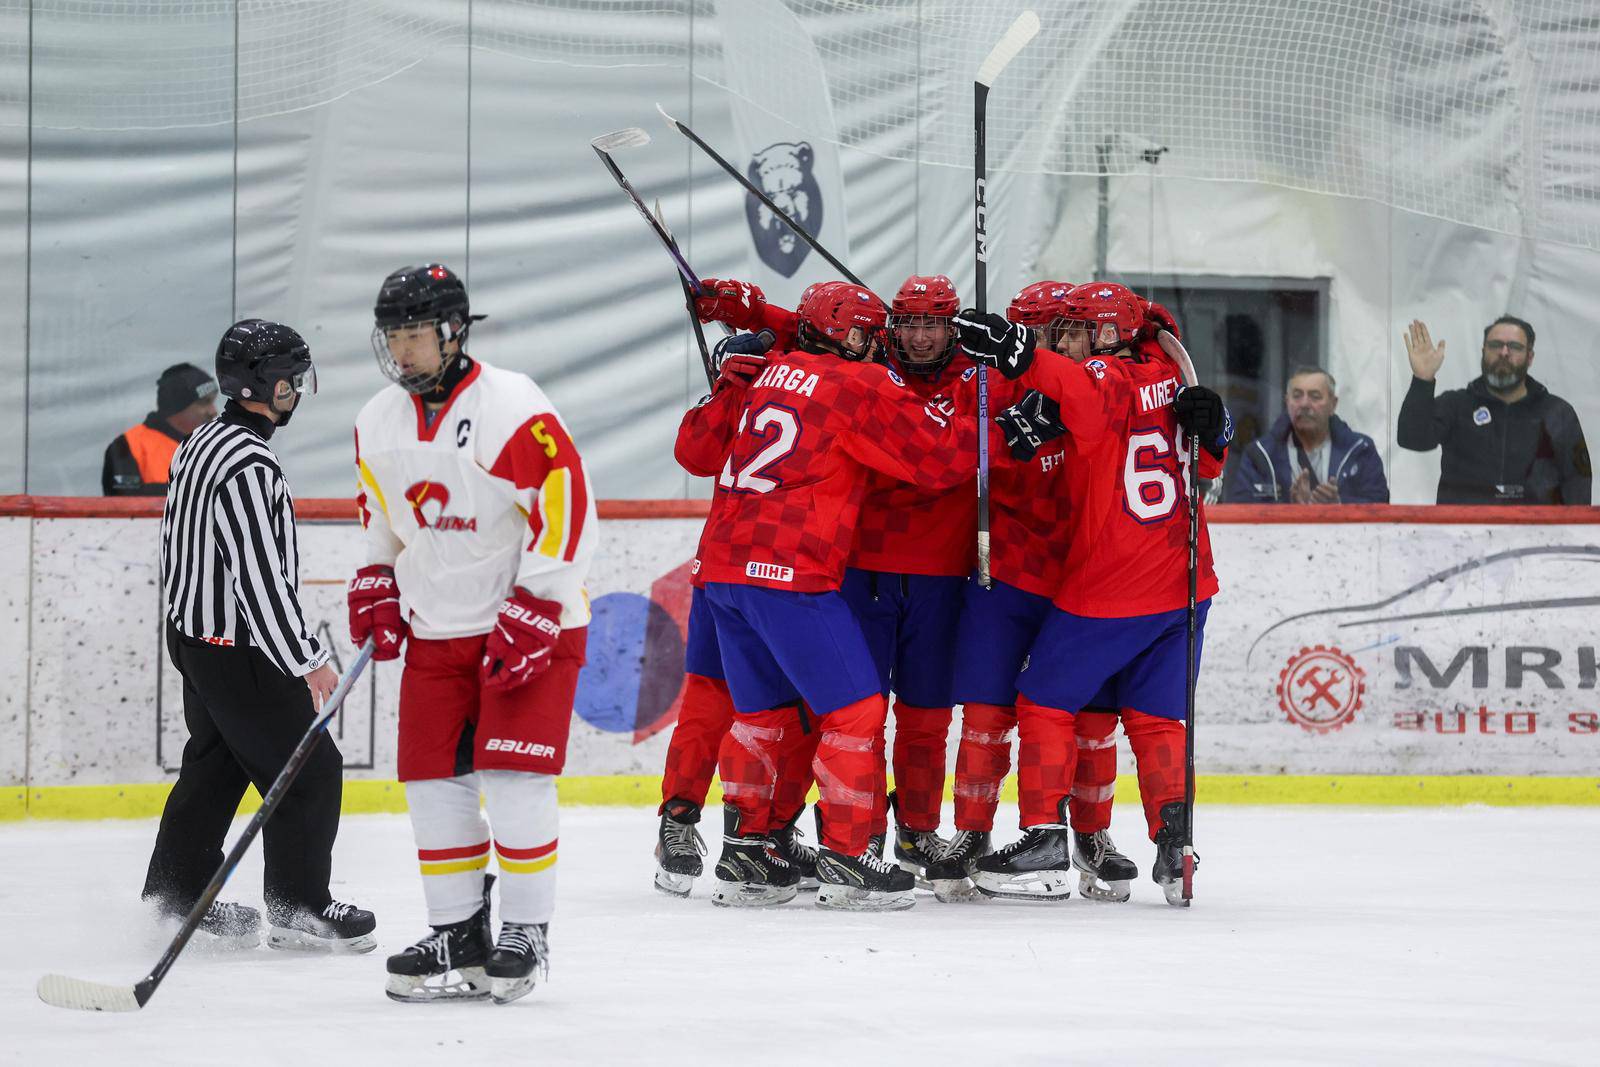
(756, 192)
(688, 302)
(1023, 30)
(63, 992)
(1174, 348)
(633, 137)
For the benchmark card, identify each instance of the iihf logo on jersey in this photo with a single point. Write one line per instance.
(783, 172)
(422, 494)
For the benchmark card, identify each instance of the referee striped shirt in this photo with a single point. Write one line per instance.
(230, 563)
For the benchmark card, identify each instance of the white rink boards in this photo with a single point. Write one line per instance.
(1318, 936)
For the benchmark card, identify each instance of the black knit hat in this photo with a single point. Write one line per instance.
(179, 386)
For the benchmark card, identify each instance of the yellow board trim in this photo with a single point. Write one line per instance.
(368, 796)
(553, 509)
(372, 483)
(476, 863)
(524, 866)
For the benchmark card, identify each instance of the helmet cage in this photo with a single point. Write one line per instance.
(917, 318)
(416, 384)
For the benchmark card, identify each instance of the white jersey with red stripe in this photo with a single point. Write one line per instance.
(488, 494)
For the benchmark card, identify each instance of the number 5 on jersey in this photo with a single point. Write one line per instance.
(779, 427)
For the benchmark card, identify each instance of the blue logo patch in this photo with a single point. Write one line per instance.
(1481, 416)
(783, 172)
(893, 377)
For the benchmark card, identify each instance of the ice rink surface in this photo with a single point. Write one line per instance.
(1318, 935)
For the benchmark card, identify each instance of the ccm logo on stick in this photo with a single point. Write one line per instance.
(518, 748)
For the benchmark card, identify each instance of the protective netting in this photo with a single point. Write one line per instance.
(1479, 113)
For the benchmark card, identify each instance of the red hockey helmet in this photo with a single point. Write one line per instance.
(921, 303)
(1114, 314)
(1039, 304)
(830, 310)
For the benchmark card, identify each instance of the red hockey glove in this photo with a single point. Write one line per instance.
(375, 611)
(1162, 319)
(520, 644)
(739, 304)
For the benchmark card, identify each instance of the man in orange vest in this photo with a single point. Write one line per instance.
(136, 462)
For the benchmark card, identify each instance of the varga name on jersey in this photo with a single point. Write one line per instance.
(794, 379)
(1157, 394)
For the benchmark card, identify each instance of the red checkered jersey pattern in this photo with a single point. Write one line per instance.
(812, 429)
(906, 529)
(1028, 505)
(706, 433)
(1126, 475)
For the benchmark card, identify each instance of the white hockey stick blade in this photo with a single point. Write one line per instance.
(632, 137)
(60, 991)
(1023, 30)
(1180, 355)
(670, 120)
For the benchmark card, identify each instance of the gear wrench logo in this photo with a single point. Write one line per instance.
(1321, 689)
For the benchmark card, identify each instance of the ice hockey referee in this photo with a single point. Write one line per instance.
(253, 673)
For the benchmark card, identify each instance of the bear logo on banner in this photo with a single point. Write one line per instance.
(783, 172)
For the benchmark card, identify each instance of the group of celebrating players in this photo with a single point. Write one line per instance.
(837, 565)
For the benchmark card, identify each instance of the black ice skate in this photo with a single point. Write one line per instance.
(423, 972)
(338, 928)
(915, 850)
(1103, 872)
(679, 847)
(1038, 866)
(230, 925)
(786, 840)
(520, 958)
(862, 883)
(951, 874)
(1168, 869)
(751, 873)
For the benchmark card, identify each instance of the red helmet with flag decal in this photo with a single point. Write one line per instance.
(920, 323)
(1114, 314)
(1042, 305)
(830, 312)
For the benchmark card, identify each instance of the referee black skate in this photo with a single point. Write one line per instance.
(253, 672)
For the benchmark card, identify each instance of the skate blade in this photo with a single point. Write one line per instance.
(505, 990)
(851, 898)
(1091, 888)
(919, 879)
(957, 891)
(1040, 886)
(673, 885)
(299, 941)
(744, 895)
(808, 885)
(469, 984)
(1173, 891)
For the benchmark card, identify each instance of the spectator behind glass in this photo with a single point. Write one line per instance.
(1310, 455)
(1505, 438)
(136, 462)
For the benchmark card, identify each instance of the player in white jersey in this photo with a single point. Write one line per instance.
(480, 525)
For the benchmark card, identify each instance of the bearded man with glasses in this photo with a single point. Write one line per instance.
(1505, 438)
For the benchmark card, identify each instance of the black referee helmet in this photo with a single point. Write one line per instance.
(255, 355)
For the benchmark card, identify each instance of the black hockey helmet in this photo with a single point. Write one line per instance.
(429, 293)
(254, 355)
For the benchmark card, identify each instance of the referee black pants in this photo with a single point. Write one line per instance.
(245, 717)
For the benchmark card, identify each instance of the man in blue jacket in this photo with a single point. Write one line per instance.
(1309, 456)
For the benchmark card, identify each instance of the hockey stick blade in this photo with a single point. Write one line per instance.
(59, 991)
(1180, 355)
(632, 137)
(1023, 30)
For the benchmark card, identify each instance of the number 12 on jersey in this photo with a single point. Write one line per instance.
(774, 424)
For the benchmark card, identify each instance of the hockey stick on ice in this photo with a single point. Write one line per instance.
(1023, 30)
(1174, 348)
(756, 192)
(688, 301)
(633, 137)
(63, 992)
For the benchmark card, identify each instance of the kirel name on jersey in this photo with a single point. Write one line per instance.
(488, 494)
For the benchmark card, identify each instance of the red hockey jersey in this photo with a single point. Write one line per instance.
(908, 529)
(811, 429)
(1028, 505)
(1127, 475)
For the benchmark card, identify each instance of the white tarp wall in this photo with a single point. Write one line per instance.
(165, 168)
(1338, 649)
